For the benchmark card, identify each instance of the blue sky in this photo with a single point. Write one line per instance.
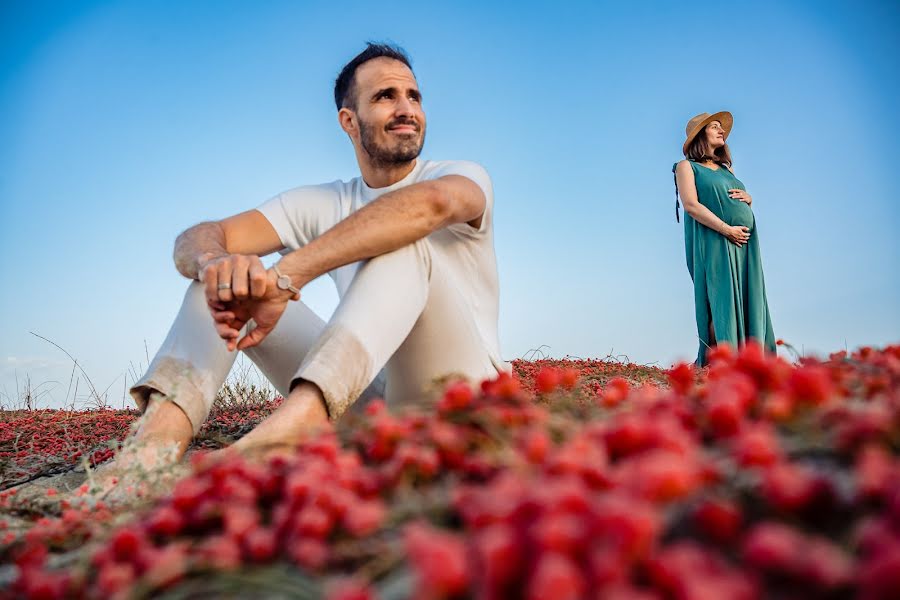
(124, 122)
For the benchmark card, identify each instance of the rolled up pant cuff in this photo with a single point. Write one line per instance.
(340, 366)
(178, 389)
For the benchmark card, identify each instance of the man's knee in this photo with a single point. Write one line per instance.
(416, 256)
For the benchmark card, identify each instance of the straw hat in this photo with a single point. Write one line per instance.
(697, 124)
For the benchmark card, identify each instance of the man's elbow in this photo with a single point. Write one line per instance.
(184, 253)
(440, 207)
(184, 238)
(447, 208)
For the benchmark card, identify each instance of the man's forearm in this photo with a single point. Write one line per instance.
(394, 220)
(204, 239)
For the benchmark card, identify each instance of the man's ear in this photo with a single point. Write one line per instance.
(347, 121)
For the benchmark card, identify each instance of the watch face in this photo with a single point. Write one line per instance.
(283, 282)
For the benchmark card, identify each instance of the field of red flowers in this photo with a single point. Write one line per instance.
(754, 478)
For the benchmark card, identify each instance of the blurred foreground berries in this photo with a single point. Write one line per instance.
(753, 478)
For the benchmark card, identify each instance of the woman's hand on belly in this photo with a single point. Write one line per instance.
(737, 234)
(739, 194)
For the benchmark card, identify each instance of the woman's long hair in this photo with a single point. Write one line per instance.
(700, 151)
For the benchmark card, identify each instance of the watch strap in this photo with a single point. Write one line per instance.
(284, 282)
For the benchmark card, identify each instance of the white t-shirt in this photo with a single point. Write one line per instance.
(302, 214)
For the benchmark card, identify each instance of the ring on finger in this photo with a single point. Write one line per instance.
(224, 286)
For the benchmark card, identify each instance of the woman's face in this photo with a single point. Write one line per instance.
(715, 135)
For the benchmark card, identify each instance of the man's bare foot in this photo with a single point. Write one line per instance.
(159, 443)
(302, 414)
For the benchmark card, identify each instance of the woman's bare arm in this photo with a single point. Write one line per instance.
(687, 189)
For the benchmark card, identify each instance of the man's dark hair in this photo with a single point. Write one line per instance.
(345, 84)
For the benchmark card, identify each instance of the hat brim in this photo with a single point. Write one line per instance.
(724, 117)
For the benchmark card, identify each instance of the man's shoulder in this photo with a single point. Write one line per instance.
(433, 169)
(329, 187)
(448, 167)
(319, 191)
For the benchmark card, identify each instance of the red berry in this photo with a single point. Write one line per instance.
(681, 378)
(547, 380)
(875, 469)
(439, 560)
(627, 524)
(615, 392)
(188, 493)
(558, 533)
(504, 386)
(568, 378)
(40, 585)
(778, 407)
(165, 521)
(349, 589)
(721, 353)
(660, 475)
(499, 554)
(238, 520)
(757, 446)
(309, 554)
(673, 566)
(32, 556)
(220, 552)
(169, 564)
(457, 396)
(773, 547)
(297, 486)
(376, 406)
(556, 577)
(811, 384)
(874, 536)
(126, 543)
(363, 518)
(725, 412)
(260, 544)
(788, 487)
(879, 577)
(627, 435)
(825, 565)
(536, 444)
(608, 566)
(719, 520)
(314, 522)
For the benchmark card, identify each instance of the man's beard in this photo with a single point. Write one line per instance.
(405, 150)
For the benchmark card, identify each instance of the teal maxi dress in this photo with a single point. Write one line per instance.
(728, 280)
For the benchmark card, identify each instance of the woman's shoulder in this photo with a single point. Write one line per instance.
(683, 166)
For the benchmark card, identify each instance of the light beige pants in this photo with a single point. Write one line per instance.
(401, 326)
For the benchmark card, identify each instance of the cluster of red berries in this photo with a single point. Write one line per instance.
(754, 478)
(44, 441)
(224, 517)
(32, 442)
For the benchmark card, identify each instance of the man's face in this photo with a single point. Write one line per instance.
(389, 112)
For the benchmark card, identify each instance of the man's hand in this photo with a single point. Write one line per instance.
(742, 195)
(230, 317)
(232, 277)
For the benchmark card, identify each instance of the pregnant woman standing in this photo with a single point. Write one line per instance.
(721, 241)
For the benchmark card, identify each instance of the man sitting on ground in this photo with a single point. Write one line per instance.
(409, 245)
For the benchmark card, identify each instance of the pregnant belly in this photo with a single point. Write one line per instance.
(739, 213)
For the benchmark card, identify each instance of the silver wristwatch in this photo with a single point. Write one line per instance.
(284, 283)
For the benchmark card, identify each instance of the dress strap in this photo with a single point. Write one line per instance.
(675, 177)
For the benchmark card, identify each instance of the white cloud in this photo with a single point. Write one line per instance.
(29, 363)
